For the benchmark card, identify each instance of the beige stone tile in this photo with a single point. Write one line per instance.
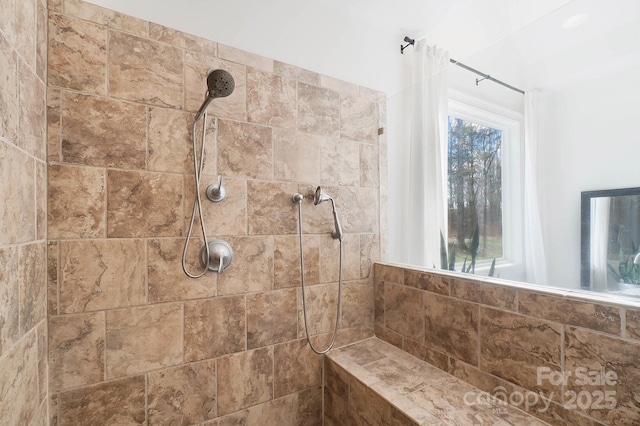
(42, 22)
(100, 15)
(144, 204)
(290, 71)
(170, 141)
(32, 120)
(484, 293)
(103, 132)
(9, 294)
(76, 202)
(33, 285)
(369, 165)
(54, 131)
(141, 70)
(245, 150)
(181, 39)
(252, 267)
(425, 353)
(271, 99)
(338, 85)
(368, 405)
(427, 281)
(183, 395)
(369, 253)
(166, 279)
(109, 403)
(595, 353)
(445, 401)
(451, 326)
(287, 260)
(336, 379)
(513, 347)
(101, 274)
(52, 278)
(584, 314)
(357, 304)
(633, 324)
(43, 361)
(321, 301)
(378, 297)
(144, 338)
(77, 54)
(297, 155)
(19, 381)
(389, 336)
(358, 119)
(330, 258)
(340, 162)
(318, 110)
(76, 350)
(247, 379)
(310, 406)
(371, 94)
(17, 181)
(25, 31)
(214, 327)
(245, 58)
(55, 5)
(337, 411)
(358, 209)
(281, 411)
(228, 217)
(197, 67)
(388, 273)
(403, 311)
(296, 367)
(9, 102)
(272, 317)
(41, 200)
(270, 208)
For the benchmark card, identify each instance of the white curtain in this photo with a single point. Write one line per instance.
(599, 226)
(534, 252)
(427, 109)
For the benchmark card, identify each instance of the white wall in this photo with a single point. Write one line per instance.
(589, 141)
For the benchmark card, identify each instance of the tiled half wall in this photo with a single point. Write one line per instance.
(132, 339)
(516, 342)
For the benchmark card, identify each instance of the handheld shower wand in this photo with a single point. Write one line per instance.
(219, 85)
(321, 197)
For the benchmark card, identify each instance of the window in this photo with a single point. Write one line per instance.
(485, 185)
(474, 187)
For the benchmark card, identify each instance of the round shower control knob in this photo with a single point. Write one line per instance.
(220, 255)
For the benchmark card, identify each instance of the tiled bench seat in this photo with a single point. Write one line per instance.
(375, 383)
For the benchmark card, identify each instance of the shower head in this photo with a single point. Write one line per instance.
(320, 197)
(220, 84)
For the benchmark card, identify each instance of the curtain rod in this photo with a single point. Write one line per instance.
(411, 42)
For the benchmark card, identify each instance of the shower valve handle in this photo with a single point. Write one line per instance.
(216, 192)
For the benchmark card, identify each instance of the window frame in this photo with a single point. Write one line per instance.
(511, 123)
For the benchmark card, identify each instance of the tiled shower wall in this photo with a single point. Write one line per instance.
(131, 338)
(23, 283)
(496, 337)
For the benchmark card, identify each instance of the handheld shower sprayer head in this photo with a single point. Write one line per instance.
(320, 197)
(220, 84)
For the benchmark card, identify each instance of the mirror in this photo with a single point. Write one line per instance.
(610, 246)
(583, 62)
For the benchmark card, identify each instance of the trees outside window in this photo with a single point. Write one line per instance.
(475, 187)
